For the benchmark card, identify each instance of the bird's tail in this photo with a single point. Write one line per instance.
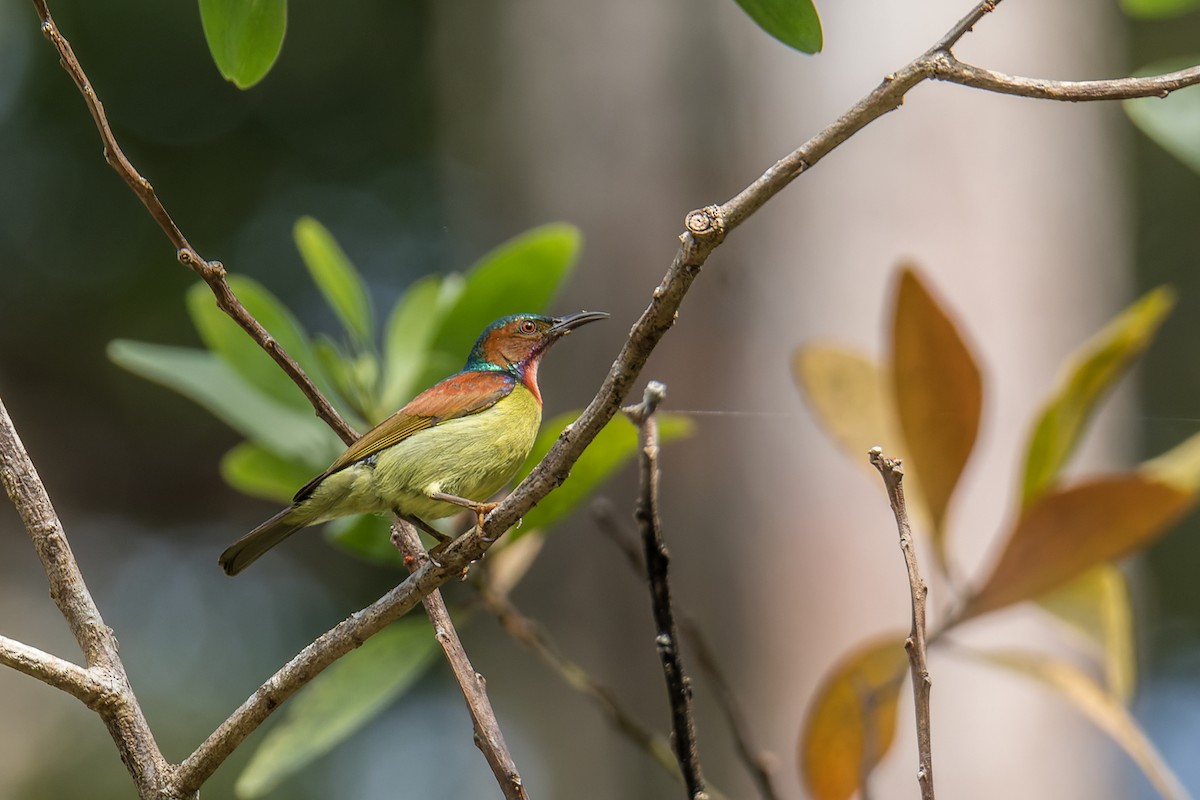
(246, 550)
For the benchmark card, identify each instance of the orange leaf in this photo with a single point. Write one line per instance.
(852, 720)
(1065, 531)
(939, 395)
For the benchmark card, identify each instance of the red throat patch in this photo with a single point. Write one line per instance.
(530, 376)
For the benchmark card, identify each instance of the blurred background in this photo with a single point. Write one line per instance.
(423, 134)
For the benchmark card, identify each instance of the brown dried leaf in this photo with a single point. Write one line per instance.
(939, 395)
(852, 720)
(1066, 531)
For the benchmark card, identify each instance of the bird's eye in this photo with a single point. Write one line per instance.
(527, 326)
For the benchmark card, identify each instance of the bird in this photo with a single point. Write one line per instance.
(453, 446)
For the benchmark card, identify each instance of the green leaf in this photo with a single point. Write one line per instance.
(522, 275)
(939, 396)
(793, 22)
(1172, 121)
(253, 470)
(339, 702)
(612, 448)
(336, 277)
(407, 339)
(227, 339)
(1104, 711)
(1089, 374)
(1158, 9)
(851, 723)
(367, 536)
(244, 37)
(1067, 531)
(209, 381)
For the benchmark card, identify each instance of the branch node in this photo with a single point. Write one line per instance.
(706, 223)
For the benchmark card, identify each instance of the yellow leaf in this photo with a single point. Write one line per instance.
(852, 720)
(939, 396)
(1067, 531)
(1096, 605)
(847, 394)
(1103, 710)
(1179, 466)
(1091, 371)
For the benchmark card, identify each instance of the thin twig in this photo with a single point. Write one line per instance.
(758, 763)
(212, 272)
(534, 637)
(115, 703)
(679, 685)
(488, 736)
(948, 68)
(893, 476)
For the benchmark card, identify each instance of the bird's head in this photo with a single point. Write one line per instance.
(516, 342)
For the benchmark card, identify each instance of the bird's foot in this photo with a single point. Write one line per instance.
(481, 509)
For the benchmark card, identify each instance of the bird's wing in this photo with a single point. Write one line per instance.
(459, 395)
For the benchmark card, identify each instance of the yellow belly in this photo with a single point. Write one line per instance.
(472, 457)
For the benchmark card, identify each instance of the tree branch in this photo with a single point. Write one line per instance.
(115, 702)
(679, 685)
(77, 681)
(488, 736)
(950, 69)
(212, 272)
(893, 475)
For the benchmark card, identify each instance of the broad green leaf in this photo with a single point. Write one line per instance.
(1070, 530)
(1096, 605)
(209, 381)
(253, 470)
(1179, 466)
(793, 22)
(1104, 711)
(244, 37)
(612, 448)
(406, 341)
(939, 396)
(336, 277)
(367, 536)
(1172, 121)
(339, 702)
(520, 276)
(1158, 9)
(852, 720)
(227, 339)
(1088, 375)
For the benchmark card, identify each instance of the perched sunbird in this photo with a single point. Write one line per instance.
(453, 447)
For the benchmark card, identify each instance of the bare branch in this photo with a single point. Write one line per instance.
(679, 685)
(893, 475)
(212, 272)
(488, 736)
(757, 763)
(120, 710)
(51, 670)
(530, 634)
(950, 69)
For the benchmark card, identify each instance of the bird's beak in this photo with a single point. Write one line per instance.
(564, 325)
